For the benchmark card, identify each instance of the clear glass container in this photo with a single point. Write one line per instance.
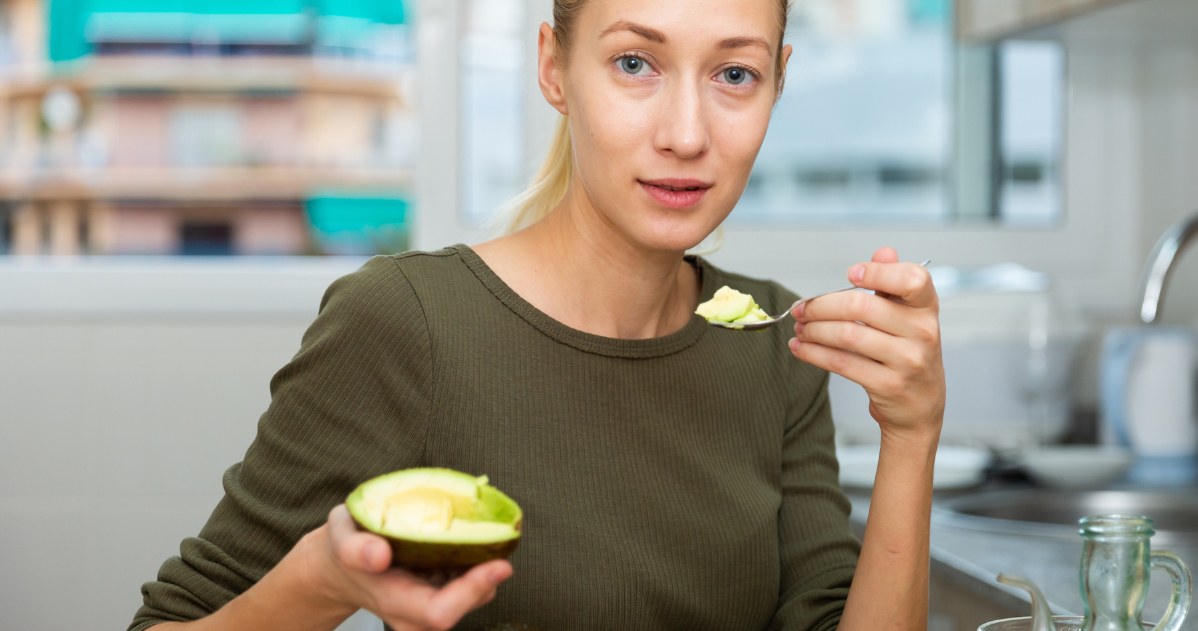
(1116, 561)
(1062, 623)
(1114, 572)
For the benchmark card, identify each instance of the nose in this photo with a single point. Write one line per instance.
(682, 123)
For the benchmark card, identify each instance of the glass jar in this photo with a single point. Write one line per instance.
(1116, 561)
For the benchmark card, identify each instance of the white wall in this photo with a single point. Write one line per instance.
(127, 391)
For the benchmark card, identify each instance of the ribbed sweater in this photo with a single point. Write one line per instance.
(681, 482)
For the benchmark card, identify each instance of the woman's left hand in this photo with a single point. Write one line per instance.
(888, 342)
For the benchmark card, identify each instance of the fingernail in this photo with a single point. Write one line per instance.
(797, 312)
(857, 273)
(798, 328)
(497, 574)
(793, 343)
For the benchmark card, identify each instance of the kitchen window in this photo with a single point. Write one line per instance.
(867, 130)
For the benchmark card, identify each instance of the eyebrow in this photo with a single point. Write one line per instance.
(650, 34)
(742, 42)
(657, 36)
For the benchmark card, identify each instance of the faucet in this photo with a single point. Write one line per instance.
(1160, 263)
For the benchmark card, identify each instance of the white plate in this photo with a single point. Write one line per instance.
(1076, 466)
(955, 468)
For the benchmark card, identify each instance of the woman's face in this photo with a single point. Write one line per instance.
(668, 103)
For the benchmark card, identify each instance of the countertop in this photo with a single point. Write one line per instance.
(970, 558)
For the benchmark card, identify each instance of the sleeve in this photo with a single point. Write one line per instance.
(817, 548)
(353, 403)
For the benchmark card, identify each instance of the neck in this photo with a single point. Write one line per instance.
(587, 276)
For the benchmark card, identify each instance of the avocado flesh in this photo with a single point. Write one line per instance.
(437, 520)
(731, 306)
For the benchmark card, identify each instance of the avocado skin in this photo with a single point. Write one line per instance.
(429, 557)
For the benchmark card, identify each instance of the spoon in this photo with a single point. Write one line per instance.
(755, 326)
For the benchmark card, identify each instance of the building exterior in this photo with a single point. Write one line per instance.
(204, 126)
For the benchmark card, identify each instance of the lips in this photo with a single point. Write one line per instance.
(676, 192)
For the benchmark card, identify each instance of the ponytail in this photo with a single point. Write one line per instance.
(548, 187)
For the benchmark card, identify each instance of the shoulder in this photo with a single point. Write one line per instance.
(393, 280)
(380, 300)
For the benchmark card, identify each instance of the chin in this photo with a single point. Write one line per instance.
(671, 237)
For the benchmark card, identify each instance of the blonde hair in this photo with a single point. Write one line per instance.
(548, 186)
(552, 179)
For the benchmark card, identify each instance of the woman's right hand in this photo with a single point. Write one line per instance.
(353, 569)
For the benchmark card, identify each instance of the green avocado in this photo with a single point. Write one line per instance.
(438, 521)
(731, 306)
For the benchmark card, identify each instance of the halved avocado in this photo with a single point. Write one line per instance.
(438, 521)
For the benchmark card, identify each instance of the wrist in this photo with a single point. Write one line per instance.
(920, 440)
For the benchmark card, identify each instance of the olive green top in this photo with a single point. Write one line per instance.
(680, 482)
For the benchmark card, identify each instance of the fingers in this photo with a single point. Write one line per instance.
(887, 341)
(410, 600)
(468, 592)
(909, 283)
(885, 254)
(877, 349)
(357, 550)
(850, 365)
(403, 600)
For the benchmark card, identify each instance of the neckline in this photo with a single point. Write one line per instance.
(677, 341)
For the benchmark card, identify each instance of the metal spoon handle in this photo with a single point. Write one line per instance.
(834, 291)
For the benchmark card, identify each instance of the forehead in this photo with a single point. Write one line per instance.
(689, 19)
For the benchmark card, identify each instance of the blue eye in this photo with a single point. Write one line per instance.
(737, 76)
(633, 65)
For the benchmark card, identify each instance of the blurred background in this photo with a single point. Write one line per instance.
(181, 179)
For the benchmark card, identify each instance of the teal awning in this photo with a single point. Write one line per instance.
(75, 24)
(358, 223)
(189, 27)
(200, 7)
(377, 11)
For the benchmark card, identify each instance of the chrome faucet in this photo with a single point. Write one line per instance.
(1160, 263)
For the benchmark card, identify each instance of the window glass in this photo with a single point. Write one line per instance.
(205, 238)
(863, 128)
(492, 84)
(1031, 76)
(206, 134)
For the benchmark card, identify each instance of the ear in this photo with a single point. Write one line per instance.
(786, 50)
(549, 76)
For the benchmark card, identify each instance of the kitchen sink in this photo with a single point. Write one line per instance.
(1051, 513)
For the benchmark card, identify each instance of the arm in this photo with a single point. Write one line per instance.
(817, 550)
(353, 403)
(335, 570)
(889, 343)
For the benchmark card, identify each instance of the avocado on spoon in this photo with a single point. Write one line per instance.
(731, 309)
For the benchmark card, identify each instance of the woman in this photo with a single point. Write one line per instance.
(673, 475)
